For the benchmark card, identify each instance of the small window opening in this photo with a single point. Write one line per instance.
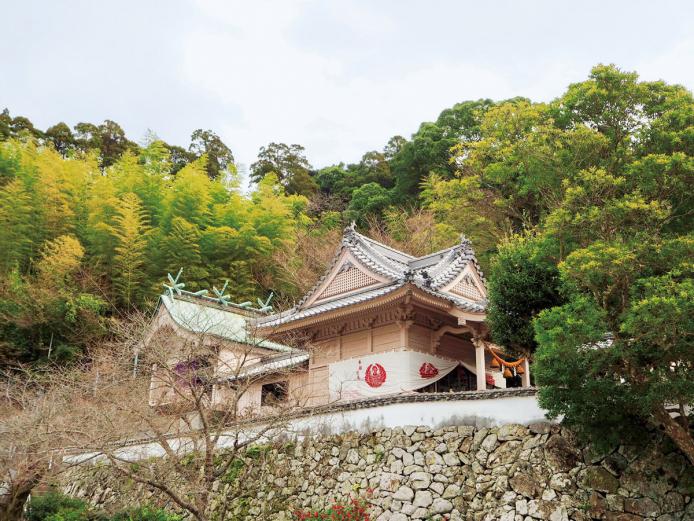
(274, 393)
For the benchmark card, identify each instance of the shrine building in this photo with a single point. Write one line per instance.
(379, 323)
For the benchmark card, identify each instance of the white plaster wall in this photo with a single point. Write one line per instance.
(481, 413)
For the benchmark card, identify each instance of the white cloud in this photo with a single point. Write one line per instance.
(289, 93)
(339, 78)
(674, 64)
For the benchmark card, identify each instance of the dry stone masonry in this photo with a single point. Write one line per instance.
(507, 473)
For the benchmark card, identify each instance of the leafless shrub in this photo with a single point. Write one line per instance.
(304, 263)
(412, 231)
(165, 408)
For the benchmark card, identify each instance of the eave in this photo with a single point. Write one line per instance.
(406, 290)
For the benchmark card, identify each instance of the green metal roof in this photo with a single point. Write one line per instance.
(203, 318)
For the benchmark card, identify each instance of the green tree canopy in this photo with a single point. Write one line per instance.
(523, 281)
(206, 143)
(368, 200)
(429, 150)
(598, 176)
(62, 138)
(289, 164)
(108, 138)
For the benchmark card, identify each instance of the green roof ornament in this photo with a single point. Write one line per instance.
(265, 307)
(175, 286)
(221, 297)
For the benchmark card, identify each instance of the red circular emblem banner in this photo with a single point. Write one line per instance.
(375, 375)
(428, 370)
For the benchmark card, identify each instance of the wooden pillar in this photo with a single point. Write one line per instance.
(480, 365)
(525, 377)
(370, 338)
(405, 332)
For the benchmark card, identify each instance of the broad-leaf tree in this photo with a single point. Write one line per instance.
(289, 164)
(617, 228)
(523, 280)
(220, 159)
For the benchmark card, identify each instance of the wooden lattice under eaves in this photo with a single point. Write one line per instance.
(465, 287)
(348, 280)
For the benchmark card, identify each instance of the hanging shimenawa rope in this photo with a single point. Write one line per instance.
(509, 365)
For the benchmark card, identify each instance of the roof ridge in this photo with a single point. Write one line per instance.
(454, 262)
(369, 239)
(439, 252)
(214, 303)
(386, 264)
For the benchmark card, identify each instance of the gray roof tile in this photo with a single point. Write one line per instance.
(429, 273)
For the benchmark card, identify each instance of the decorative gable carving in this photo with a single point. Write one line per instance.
(466, 288)
(467, 285)
(348, 278)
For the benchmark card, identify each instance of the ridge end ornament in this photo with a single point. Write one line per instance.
(174, 286)
(265, 306)
(348, 235)
(221, 297)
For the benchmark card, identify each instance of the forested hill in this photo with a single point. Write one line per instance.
(91, 222)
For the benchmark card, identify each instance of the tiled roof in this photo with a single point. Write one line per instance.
(439, 268)
(429, 273)
(354, 298)
(283, 361)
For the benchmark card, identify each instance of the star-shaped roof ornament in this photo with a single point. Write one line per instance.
(221, 297)
(174, 286)
(265, 307)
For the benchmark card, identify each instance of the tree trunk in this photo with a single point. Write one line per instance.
(12, 504)
(680, 435)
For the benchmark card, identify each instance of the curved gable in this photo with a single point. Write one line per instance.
(347, 276)
(468, 284)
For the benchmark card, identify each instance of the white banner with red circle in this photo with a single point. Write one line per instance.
(380, 374)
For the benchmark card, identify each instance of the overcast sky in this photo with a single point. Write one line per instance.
(339, 77)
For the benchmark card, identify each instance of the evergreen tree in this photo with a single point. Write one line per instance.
(218, 158)
(290, 166)
(61, 137)
(367, 201)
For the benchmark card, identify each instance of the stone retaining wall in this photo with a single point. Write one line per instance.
(507, 473)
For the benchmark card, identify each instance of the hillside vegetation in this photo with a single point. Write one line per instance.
(580, 211)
